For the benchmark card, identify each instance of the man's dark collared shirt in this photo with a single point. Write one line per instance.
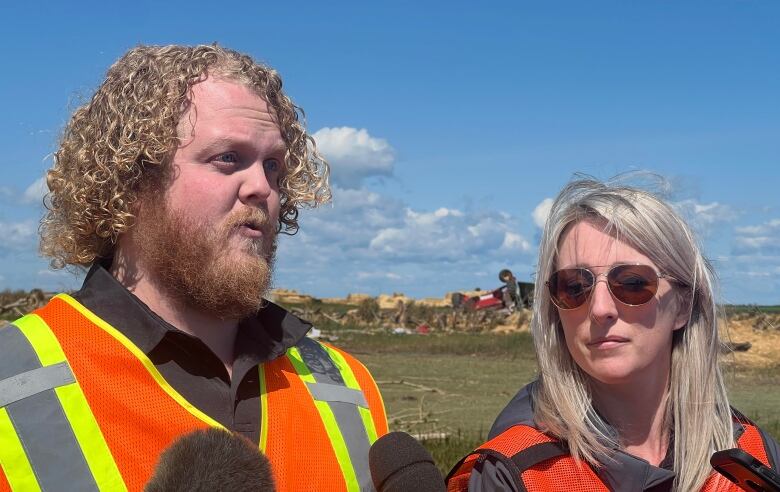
(186, 362)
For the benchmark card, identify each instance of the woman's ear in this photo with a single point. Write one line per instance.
(684, 299)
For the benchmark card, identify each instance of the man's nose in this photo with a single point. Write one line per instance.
(602, 304)
(255, 186)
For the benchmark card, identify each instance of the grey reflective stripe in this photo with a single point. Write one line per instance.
(16, 353)
(334, 392)
(34, 381)
(347, 415)
(51, 446)
(40, 422)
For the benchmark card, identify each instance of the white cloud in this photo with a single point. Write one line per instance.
(18, 236)
(36, 191)
(370, 242)
(766, 228)
(541, 212)
(378, 275)
(745, 268)
(354, 155)
(703, 217)
(763, 239)
(515, 243)
(446, 235)
(32, 195)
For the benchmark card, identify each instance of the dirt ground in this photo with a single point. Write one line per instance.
(764, 351)
(765, 344)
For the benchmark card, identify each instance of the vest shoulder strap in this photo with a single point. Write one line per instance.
(516, 462)
(534, 460)
(342, 406)
(42, 408)
(537, 453)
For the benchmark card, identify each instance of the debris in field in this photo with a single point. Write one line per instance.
(421, 423)
(729, 347)
(425, 436)
(765, 322)
(419, 387)
(21, 303)
(314, 333)
(326, 315)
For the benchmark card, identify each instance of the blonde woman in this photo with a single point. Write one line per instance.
(629, 395)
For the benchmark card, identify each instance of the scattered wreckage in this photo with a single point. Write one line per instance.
(512, 295)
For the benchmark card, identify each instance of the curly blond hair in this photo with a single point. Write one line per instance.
(120, 144)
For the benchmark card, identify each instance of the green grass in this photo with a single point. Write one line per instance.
(511, 346)
(455, 384)
(749, 309)
(458, 383)
(448, 451)
(756, 393)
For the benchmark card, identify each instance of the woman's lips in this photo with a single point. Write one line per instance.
(608, 342)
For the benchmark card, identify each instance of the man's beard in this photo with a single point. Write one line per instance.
(197, 263)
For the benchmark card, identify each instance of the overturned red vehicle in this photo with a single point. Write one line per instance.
(512, 295)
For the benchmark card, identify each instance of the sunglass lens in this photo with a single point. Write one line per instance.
(570, 287)
(633, 284)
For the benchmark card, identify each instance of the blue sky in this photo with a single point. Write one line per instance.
(447, 125)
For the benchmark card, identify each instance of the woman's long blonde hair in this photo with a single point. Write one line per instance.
(697, 409)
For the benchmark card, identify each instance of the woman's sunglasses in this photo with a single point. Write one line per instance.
(632, 285)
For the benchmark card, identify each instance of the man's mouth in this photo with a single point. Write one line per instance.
(251, 229)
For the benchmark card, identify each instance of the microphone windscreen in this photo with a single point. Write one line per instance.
(211, 459)
(399, 463)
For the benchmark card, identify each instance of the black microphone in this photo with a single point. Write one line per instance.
(212, 459)
(399, 463)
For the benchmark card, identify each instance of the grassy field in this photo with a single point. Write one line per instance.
(458, 383)
(730, 309)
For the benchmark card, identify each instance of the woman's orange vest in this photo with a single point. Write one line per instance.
(544, 465)
(138, 414)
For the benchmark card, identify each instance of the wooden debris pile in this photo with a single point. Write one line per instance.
(410, 317)
(14, 304)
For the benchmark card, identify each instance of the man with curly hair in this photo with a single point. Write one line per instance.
(171, 185)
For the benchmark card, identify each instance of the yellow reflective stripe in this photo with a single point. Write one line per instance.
(339, 446)
(351, 382)
(41, 338)
(263, 408)
(85, 427)
(297, 361)
(329, 421)
(13, 459)
(99, 458)
(138, 353)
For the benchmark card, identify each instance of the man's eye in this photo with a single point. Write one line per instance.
(271, 165)
(227, 158)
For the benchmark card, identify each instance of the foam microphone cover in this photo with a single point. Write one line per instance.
(209, 460)
(399, 463)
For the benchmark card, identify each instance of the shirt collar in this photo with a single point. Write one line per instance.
(265, 335)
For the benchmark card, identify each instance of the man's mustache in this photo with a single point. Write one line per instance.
(256, 218)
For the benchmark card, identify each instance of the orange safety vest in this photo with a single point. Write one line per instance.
(83, 408)
(543, 463)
